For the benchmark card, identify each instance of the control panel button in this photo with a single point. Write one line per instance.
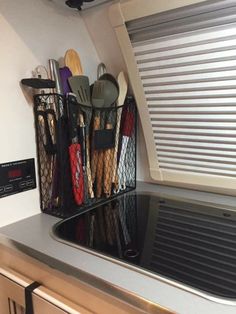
(30, 183)
(22, 184)
(8, 188)
(1, 189)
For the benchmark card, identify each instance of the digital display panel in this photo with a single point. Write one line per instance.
(14, 173)
(17, 176)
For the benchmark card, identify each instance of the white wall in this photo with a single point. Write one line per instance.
(104, 39)
(31, 32)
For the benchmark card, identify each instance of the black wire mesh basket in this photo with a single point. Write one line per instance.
(86, 155)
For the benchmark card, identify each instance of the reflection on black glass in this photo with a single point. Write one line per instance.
(186, 242)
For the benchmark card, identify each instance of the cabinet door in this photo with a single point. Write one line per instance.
(42, 306)
(12, 299)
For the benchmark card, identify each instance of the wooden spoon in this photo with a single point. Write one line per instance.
(72, 61)
(123, 85)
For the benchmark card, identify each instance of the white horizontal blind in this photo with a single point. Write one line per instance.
(189, 81)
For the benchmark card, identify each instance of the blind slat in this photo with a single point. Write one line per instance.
(196, 151)
(193, 102)
(227, 43)
(199, 157)
(194, 117)
(192, 168)
(195, 124)
(192, 131)
(215, 34)
(195, 138)
(190, 78)
(182, 20)
(197, 163)
(222, 56)
(196, 86)
(188, 69)
(203, 110)
(186, 94)
(217, 146)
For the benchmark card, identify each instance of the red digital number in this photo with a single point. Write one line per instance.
(14, 173)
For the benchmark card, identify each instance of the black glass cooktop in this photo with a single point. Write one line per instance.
(186, 242)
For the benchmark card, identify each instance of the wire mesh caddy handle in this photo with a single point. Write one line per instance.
(98, 136)
(29, 309)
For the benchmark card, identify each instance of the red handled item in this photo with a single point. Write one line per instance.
(128, 123)
(77, 173)
(76, 162)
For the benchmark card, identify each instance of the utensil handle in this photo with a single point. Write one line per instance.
(121, 170)
(77, 173)
(101, 70)
(108, 164)
(55, 75)
(96, 126)
(84, 158)
(51, 122)
(99, 175)
(88, 170)
(73, 111)
(114, 165)
(55, 182)
(46, 131)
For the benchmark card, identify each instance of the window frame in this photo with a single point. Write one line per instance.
(126, 11)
